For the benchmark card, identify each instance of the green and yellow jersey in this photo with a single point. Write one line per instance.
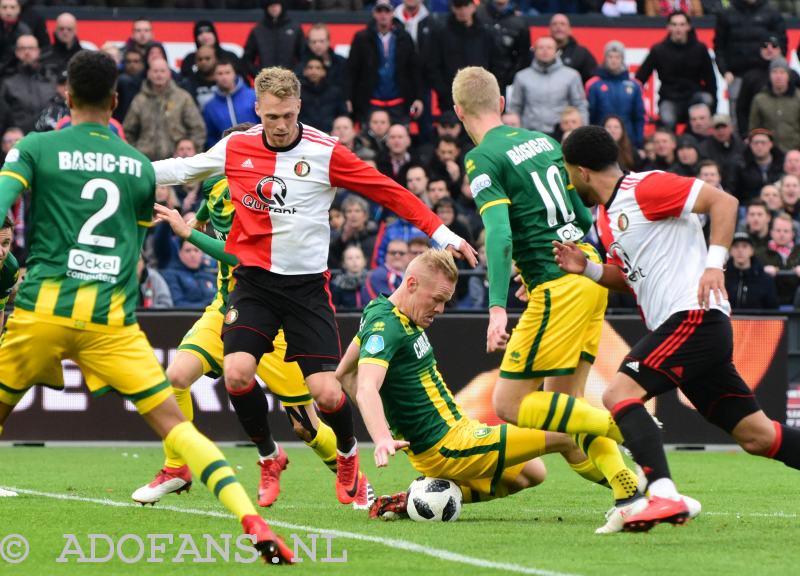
(522, 192)
(9, 274)
(92, 200)
(417, 404)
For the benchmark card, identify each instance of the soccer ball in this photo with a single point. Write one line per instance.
(434, 500)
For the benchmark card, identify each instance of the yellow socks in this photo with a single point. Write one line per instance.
(207, 463)
(184, 398)
(589, 471)
(558, 412)
(324, 445)
(604, 454)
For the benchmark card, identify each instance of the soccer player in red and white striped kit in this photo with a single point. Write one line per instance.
(282, 177)
(649, 226)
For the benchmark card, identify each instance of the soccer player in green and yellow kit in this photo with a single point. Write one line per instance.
(92, 200)
(9, 267)
(522, 191)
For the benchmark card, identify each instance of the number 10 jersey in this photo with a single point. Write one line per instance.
(91, 203)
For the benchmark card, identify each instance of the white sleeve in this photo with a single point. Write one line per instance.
(197, 167)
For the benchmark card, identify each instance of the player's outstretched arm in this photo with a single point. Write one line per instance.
(198, 167)
(370, 380)
(721, 208)
(570, 258)
(185, 230)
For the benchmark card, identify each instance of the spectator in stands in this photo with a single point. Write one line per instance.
(11, 136)
(10, 30)
(129, 82)
(65, 43)
(445, 163)
(388, 276)
(664, 8)
(725, 148)
(319, 44)
(738, 35)
(747, 284)
(708, 172)
(398, 229)
(629, 158)
(437, 189)
(202, 78)
(357, 230)
(383, 70)
(569, 119)
(322, 101)
(412, 13)
(771, 196)
(571, 54)
(233, 103)
(757, 222)
(113, 49)
(664, 145)
(700, 122)
(613, 92)
(687, 156)
(448, 124)
(346, 288)
(374, 137)
(397, 157)
(153, 289)
(141, 37)
(275, 41)
(205, 34)
(36, 22)
(757, 78)
(461, 41)
(512, 38)
(156, 51)
(791, 162)
(761, 164)
(511, 119)
(417, 182)
(777, 108)
(684, 69)
(56, 109)
(344, 129)
(467, 210)
(30, 89)
(617, 8)
(190, 283)
(789, 187)
(783, 254)
(446, 210)
(417, 246)
(545, 88)
(161, 114)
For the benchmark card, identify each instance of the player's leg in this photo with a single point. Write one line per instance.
(759, 435)
(123, 361)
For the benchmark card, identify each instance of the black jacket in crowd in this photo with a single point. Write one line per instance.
(336, 70)
(454, 47)
(512, 38)
(362, 68)
(578, 57)
(58, 55)
(727, 157)
(188, 68)
(752, 288)
(271, 42)
(750, 178)
(683, 69)
(739, 32)
(322, 103)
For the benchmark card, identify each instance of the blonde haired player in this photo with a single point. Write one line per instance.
(522, 191)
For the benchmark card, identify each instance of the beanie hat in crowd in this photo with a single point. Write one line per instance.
(614, 46)
(779, 63)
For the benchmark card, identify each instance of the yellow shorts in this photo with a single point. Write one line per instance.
(284, 379)
(119, 359)
(484, 458)
(560, 326)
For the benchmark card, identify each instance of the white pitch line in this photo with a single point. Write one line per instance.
(388, 542)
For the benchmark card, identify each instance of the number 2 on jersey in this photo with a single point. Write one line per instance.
(87, 235)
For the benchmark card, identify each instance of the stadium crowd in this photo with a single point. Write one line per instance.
(380, 103)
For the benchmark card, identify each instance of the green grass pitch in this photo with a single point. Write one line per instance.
(749, 524)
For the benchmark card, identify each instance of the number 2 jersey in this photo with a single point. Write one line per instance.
(91, 203)
(525, 169)
(416, 402)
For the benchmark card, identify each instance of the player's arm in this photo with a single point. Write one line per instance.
(198, 167)
(16, 174)
(498, 259)
(348, 171)
(348, 368)
(182, 229)
(570, 258)
(369, 381)
(721, 208)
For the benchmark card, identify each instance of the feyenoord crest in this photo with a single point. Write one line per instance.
(231, 316)
(622, 222)
(302, 168)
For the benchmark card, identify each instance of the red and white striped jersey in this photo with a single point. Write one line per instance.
(649, 231)
(282, 196)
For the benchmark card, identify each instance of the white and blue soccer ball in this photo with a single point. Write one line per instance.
(434, 500)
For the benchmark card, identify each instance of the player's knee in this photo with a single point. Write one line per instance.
(328, 398)
(178, 378)
(505, 408)
(611, 396)
(757, 445)
(237, 378)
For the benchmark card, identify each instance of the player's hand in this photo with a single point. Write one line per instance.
(196, 224)
(569, 257)
(466, 252)
(386, 448)
(711, 282)
(522, 291)
(496, 335)
(174, 219)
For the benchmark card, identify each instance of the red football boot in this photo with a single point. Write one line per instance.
(270, 484)
(658, 510)
(268, 544)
